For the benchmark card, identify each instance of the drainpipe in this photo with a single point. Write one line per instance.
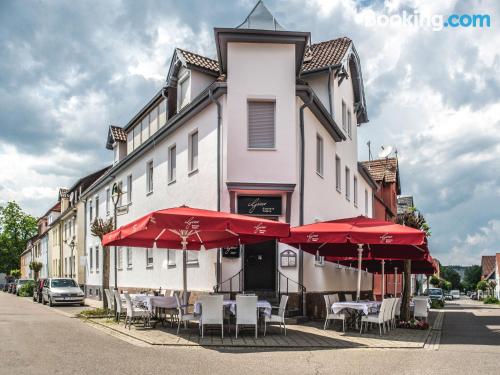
(219, 125)
(301, 190)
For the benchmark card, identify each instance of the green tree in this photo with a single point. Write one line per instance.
(434, 281)
(16, 274)
(414, 219)
(449, 274)
(99, 228)
(36, 267)
(16, 228)
(472, 276)
(482, 285)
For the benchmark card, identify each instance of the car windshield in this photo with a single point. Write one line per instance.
(435, 292)
(63, 283)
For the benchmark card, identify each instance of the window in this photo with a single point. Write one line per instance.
(153, 121)
(347, 183)
(65, 267)
(337, 174)
(145, 129)
(120, 199)
(344, 115)
(137, 136)
(171, 163)
(97, 206)
(355, 193)
(319, 260)
(108, 199)
(129, 189)
(183, 91)
(170, 258)
(192, 257)
(65, 230)
(162, 113)
(319, 155)
(119, 260)
(366, 202)
(149, 177)
(97, 259)
(193, 151)
(130, 142)
(91, 260)
(90, 212)
(261, 124)
(349, 123)
(149, 258)
(115, 153)
(129, 257)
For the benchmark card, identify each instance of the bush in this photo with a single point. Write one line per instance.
(491, 300)
(437, 304)
(94, 313)
(26, 290)
(413, 324)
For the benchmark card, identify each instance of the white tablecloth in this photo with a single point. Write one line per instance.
(154, 301)
(365, 306)
(263, 305)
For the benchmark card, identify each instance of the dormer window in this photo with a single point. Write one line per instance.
(183, 91)
(115, 154)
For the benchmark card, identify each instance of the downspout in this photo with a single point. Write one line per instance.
(301, 190)
(219, 125)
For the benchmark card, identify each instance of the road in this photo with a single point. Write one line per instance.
(37, 339)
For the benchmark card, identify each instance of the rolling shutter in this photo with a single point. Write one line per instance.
(261, 127)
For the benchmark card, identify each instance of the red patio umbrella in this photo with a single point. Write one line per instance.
(360, 237)
(424, 266)
(188, 228)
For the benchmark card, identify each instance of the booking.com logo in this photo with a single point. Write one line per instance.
(436, 22)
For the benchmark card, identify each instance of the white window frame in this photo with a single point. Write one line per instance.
(119, 260)
(97, 263)
(171, 253)
(344, 115)
(184, 78)
(97, 206)
(91, 218)
(355, 191)
(129, 189)
(347, 183)
(191, 167)
(261, 100)
(366, 202)
(171, 175)
(149, 177)
(192, 257)
(338, 174)
(320, 155)
(149, 264)
(108, 200)
(349, 123)
(129, 258)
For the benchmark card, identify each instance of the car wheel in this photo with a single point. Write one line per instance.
(50, 302)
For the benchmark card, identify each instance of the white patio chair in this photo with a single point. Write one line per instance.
(388, 312)
(395, 311)
(120, 307)
(348, 297)
(246, 312)
(109, 300)
(280, 317)
(134, 312)
(329, 314)
(182, 317)
(212, 312)
(375, 318)
(420, 309)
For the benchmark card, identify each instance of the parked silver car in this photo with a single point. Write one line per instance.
(61, 291)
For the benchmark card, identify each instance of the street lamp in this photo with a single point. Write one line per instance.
(72, 245)
(116, 194)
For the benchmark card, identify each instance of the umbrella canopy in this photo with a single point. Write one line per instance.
(193, 229)
(424, 266)
(189, 228)
(384, 239)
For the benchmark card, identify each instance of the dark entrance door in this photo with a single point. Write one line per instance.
(260, 266)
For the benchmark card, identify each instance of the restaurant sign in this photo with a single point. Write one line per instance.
(231, 252)
(259, 205)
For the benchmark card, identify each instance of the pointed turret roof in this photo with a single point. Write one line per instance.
(260, 18)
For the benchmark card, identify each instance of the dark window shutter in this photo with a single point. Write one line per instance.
(261, 127)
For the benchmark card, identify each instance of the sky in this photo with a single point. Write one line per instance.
(69, 69)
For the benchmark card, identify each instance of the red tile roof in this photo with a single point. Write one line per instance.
(118, 134)
(382, 169)
(200, 61)
(487, 265)
(324, 54)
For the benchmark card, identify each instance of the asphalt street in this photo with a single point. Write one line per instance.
(36, 339)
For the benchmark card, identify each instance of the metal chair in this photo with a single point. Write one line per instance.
(280, 317)
(246, 312)
(212, 312)
(329, 300)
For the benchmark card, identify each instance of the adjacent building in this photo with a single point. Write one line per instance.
(269, 129)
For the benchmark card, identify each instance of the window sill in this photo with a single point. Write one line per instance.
(149, 266)
(317, 264)
(356, 205)
(320, 175)
(171, 265)
(262, 149)
(348, 199)
(193, 172)
(129, 268)
(149, 193)
(338, 190)
(120, 269)
(193, 263)
(171, 182)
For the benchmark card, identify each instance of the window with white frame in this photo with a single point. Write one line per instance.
(183, 91)
(344, 115)
(137, 136)
(129, 189)
(193, 151)
(171, 257)
(349, 123)
(192, 257)
(153, 121)
(97, 259)
(366, 202)
(149, 177)
(355, 191)
(108, 200)
(120, 199)
(261, 124)
(162, 113)
(149, 257)
(115, 153)
(91, 217)
(347, 183)
(119, 260)
(145, 129)
(129, 257)
(338, 177)
(96, 206)
(319, 260)
(319, 155)
(172, 163)
(130, 142)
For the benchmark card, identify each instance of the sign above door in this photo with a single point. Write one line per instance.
(260, 205)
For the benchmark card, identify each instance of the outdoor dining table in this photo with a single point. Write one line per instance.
(262, 305)
(357, 308)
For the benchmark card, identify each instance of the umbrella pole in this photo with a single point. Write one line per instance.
(184, 270)
(383, 278)
(395, 281)
(360, 255)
